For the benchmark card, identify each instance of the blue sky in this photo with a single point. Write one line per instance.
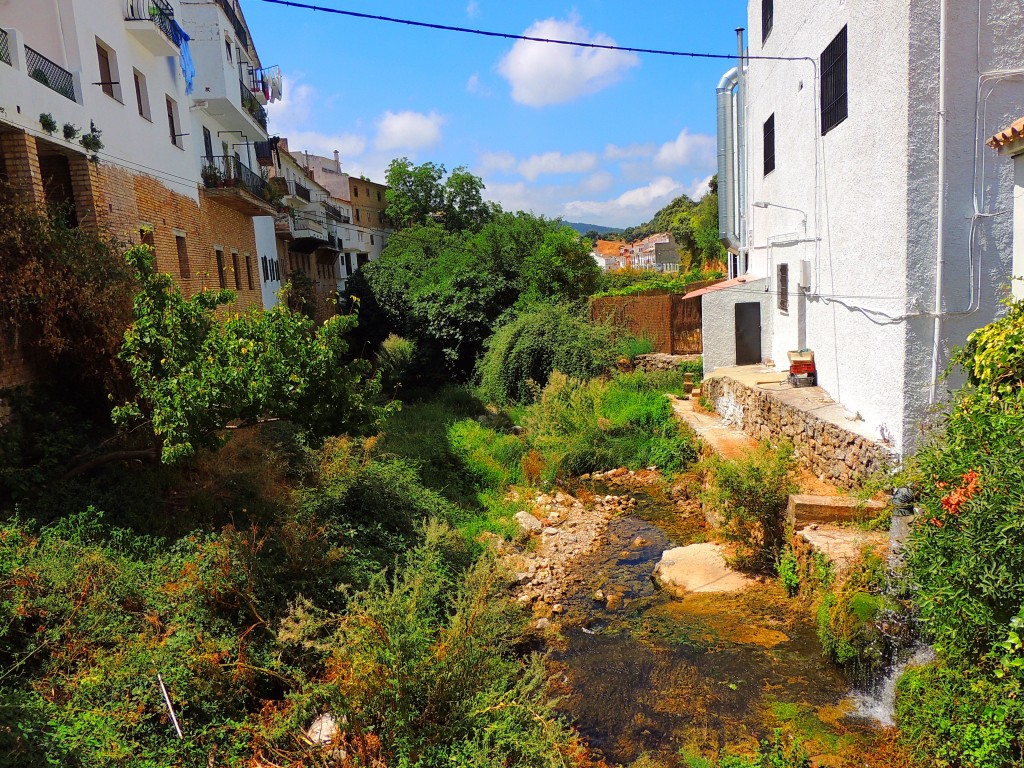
(600, 137)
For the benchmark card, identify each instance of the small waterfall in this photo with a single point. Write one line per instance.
(879, 702)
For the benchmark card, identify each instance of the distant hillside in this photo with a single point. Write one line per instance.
(584, 228)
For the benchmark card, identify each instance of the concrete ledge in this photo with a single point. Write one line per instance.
(804, 509)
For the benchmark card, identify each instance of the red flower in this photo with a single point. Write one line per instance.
(959, 496)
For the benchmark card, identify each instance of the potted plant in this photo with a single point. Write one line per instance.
(91, 141)
(48, 123)
(71, 131)
(212, 177)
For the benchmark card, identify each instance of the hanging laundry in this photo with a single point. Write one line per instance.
(276, 86)
(264, 153)
(188, 69)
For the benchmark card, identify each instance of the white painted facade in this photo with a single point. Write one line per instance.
(67, 33)
(1010, 143)
(854, 213)
(719, 337)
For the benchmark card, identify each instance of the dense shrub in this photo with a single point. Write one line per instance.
(751, 495)
(423, 671)
(520, 357)
(635, 282)
(394, 358)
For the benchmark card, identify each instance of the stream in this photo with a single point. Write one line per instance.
(651, 678)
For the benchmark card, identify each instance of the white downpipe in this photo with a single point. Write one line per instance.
(941, 217)
(727, 181)
(741, 149)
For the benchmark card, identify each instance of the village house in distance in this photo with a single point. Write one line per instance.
(656, 253)
(148, 120)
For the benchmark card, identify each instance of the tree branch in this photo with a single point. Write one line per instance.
(145, 454)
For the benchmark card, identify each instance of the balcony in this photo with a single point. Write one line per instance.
(152, 24)
(229, 10)
(252, 105)
(306, 229)
(235, 186)
(335, 213)
(52, 75)
(292, 188)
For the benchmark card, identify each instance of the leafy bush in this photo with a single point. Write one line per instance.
(635, 282)
(520, 357)
(394, 358)
(789, 572)
(779, 752)
(423, 671)
(695, 368)
(631, 347)
(752, 494)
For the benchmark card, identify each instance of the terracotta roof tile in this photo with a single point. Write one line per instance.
(1008, 135)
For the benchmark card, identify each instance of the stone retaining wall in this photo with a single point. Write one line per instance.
(832, 453)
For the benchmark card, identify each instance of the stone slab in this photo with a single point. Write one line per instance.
(698, 568)
(805, 509)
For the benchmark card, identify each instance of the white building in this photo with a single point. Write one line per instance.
(657, 253)
(832, 165)
(1010, 143)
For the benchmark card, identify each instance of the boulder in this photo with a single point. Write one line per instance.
(698, 568)
(528, 523)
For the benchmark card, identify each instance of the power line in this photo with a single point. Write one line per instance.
(527, 38)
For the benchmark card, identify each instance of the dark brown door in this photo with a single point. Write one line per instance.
(748, 333)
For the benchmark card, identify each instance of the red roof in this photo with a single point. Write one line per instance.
(721, 286)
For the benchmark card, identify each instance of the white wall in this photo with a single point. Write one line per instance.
(130, 140)
(719, 322)
(1018, 227)
(266, 247)
(868, 188)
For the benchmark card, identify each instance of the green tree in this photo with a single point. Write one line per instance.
(420, 194)
(197, 374)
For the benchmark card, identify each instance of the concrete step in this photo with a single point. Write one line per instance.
(805, 509)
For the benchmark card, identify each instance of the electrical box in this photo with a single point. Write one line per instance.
(805, 274)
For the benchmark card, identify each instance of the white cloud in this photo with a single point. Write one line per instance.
(291, 118)
(613, 152)
(695, 150)
(631, 207)
(542, 74)
(492, 162)
(699, 188)
(408, 130)
(473, 9)
(556, 162)
(476, 86)
(598, 182)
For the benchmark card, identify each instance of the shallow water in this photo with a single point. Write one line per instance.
(655, 675)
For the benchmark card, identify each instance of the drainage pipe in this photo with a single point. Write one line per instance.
(941, 214)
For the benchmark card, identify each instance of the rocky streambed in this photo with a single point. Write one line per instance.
(653, 675)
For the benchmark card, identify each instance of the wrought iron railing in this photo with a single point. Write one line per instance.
(226, 172)
(302, 192)
(229, 11)
(159, 12)
(252, 105)
(5, 47)
(48, 73)
(335, 213)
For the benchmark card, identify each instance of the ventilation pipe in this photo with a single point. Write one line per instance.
(731, 155)
(727, 188)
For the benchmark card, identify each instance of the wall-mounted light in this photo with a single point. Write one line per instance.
(764, 204)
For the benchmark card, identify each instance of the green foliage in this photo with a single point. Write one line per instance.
(46, 120)
(631, 347)
(695, 368)
(849, 621)
(966, 554)
(417, 196)
(394, 358)
(780, 752)
(636, 282)
(447, 292)
(964, 717)
(520, 357)
(196, 374)
(789, 572)
(424, 672)
(752, 494)
(67, 295)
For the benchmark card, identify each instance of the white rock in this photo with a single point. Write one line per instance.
(528, 523)
(323, 730)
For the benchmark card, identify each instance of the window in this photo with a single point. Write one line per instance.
(227, 47)
(784, 287)
(208, 143)
(236, 270)
(172, 122)
(767, 18)
(183, 266)
(355, 191)
(833, 83)
(142, 95)
(371, 240)
(266, 270)
(248, 272)
(147, 237)
(221, 277)
(357, 214)
(108, 71)
(378, 195)
(769, 145)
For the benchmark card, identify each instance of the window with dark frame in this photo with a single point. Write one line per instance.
(172, 122)
(183, 265)
(784, 287)
(222, 278)
(236, 270)
(834, 103)
(248, 272)
(767, 18)
(142, 95)
(208, 143)
(769, 145)
(106, 78)
(266, 269)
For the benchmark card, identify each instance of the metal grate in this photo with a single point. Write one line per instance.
(51, 75)
(833, 83)
(784, 287)
(159, 12)
(5, 47)
(229, 10)
(767, 18)
(252, 106)
(225, 172)
(769, 145)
